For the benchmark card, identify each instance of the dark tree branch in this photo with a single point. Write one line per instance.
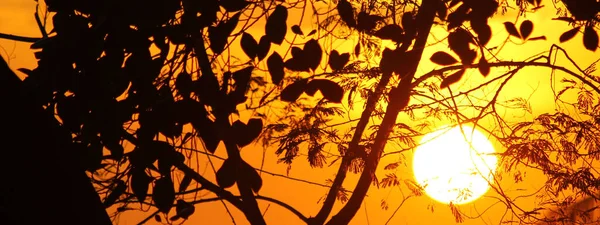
(268, 199)
(19, 38)
(424, 21)
(508, 64)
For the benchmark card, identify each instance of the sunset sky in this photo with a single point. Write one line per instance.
(16, 17)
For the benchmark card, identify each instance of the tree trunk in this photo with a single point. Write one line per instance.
(41, 180)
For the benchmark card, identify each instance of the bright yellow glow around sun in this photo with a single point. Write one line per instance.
(452, 170)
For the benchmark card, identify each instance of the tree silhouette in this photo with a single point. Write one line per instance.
(143, 86)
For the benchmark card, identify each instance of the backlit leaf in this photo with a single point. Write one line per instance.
(484, 67)
(590, 38)
(163, 194)
(244, 134)
(391, 32)
(227, 174)
(293, 91)
(459, 41)
(346, 12)
(337, 61)
(249, 45)
(251, 176)
(219, 34)
(183, 83)
(275, 66)
(264, 45)
(276, 26)
(455, 77)
(511, 29)
(443, 58)
(183, 209)
(140, 182)
(296, 29)
(185, 182)
(483, 30)
(312, 54)
(330, 90)
(526, 28)
(568, 35)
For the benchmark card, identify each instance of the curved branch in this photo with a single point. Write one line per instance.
(507, 64)
(425, 19)
(19, 38)
(264, 198)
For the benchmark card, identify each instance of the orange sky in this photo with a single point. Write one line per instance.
(16, 17)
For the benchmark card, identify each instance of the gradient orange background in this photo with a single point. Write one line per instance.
(16, 17)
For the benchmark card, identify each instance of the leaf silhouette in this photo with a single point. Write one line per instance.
(391, 32)
(590, 38)
(330, 90)
(251, 176)
(264, 45)
(227, 174)
(312, 32)
(183, 209)
(293, 91)
(511, 29)
(296, 29)
(276, 26)
(443, 58)
(459, 40)
(244, 134)
(458, 17)
(184, 84)
(389, 61)
(206, 129)
(483, 30)
(185, 182)
(484, 67)
(455, 77)
(242, 80)
(337, 61)
(367, 22)
(139, 183)
(312, 54)
(218, 34)
(275, 66)
(346, 12)
(163, 194)
(568, 35)
(297, 64)
(357, 49)
(249, 45)
(526, 28)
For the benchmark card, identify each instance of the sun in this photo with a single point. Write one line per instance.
(452, 170)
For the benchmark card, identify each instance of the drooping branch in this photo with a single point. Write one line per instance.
(264, 198)
(352, 148)
(398, 100)
(19, 38)
(508, 64)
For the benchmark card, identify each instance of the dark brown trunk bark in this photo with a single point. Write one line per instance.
(41, 181)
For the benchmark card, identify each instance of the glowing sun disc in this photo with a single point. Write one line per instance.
(452, 170)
